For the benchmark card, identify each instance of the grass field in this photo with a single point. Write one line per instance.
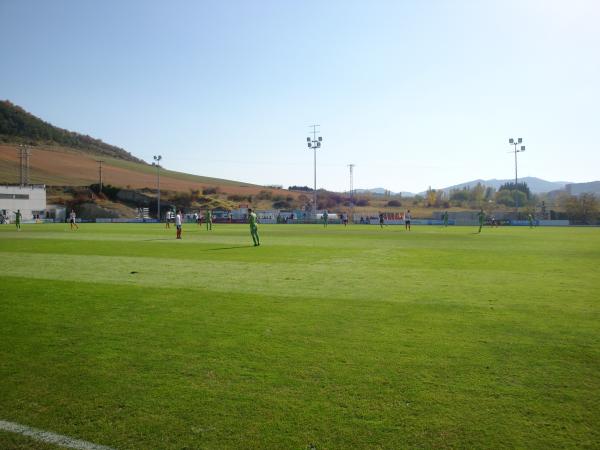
(353, 337)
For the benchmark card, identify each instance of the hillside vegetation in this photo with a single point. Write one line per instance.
(17, 125)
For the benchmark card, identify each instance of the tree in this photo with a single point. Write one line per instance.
(489, 193)
(431, 197)
(583, 209)
(459, 196)
(477, 193)
(521, 187)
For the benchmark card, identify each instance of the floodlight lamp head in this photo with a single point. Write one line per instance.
(320, 139)
(307, 139)
(522, 148)
(318, 144)
(511, 141)
(520, 140)
(309, 145)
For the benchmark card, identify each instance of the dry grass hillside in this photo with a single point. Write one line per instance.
(60, 166)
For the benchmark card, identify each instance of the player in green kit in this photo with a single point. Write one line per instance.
(481, 216)
(252, 220)
(530, 219)
(18, 217)
(445, 218)
(208, 218)
(325, 218)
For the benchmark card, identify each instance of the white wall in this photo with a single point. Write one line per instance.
(29, 199)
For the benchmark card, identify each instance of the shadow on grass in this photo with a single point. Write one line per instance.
(228, 248)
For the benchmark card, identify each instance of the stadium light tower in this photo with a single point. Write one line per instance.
(314, 144)
(157, 158)
(516, 142)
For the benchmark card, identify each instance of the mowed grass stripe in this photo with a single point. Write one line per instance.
(321, 279)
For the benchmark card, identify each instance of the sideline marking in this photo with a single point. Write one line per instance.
(51, 438)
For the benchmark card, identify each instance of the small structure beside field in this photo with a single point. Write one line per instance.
(30, 200)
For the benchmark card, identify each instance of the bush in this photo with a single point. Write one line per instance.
(282, 205)
(210, 190)
(265, 195)
(239, 198)
(394, 203)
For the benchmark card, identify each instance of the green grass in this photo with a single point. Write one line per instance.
(353, 337)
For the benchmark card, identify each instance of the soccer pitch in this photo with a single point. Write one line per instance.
(355, 337)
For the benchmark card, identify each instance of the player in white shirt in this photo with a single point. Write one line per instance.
(178, 224)
(72, 220)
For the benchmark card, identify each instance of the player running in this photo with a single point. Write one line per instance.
(407, 219)
(73, 220)
(381, 219)
(208, 218)
(481, 217)
(253, 221)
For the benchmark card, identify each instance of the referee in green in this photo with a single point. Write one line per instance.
(253, 227)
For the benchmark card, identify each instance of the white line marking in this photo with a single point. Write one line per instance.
(50, 438)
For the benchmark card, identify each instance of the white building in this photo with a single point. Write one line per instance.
(30, 200)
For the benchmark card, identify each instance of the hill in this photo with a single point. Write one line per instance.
(62, 166)
(20, 126)
(536, 185)
(580, 188)
(383, 191)
(61, 157)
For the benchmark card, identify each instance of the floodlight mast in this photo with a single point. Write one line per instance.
(314, 144)
(516, 142)
(157, 158)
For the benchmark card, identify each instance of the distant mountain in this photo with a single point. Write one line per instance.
(19, 126)
(382, 191)
(536, 185)
(580, 188)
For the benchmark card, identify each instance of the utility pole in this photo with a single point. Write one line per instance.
(157, 158)
(314, 144)
(100, 170)
(516, 142)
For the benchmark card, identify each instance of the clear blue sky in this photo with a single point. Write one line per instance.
(415, 93)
